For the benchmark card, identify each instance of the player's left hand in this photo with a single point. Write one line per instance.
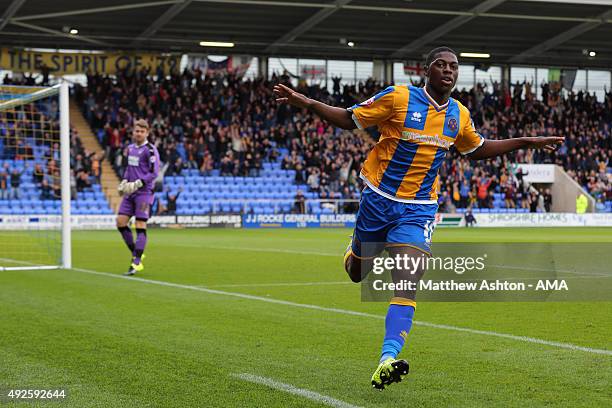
(549, 143)
(121, 187)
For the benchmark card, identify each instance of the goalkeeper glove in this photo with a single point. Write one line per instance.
(131, 187)
(121, 187)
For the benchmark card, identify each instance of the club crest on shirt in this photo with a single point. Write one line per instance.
(452, 124)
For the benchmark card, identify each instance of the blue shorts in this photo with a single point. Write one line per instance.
(383, 222)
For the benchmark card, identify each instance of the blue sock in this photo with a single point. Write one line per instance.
(397, 327)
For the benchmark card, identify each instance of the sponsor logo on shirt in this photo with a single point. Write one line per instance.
(433, 140)
(133, 160)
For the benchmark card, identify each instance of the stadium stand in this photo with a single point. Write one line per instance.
(494, 185)
(234, 150)
(228, 147)
(29, 172)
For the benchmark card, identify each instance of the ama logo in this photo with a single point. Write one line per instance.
(416, 117)
(452, 124)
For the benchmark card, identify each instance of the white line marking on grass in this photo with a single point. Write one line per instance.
(526, 339)
(340, 253)
(527, 268)
(290, 251)
(30, 265)
(311, 395)
(265, 285)
(535, 340)
(272, 250)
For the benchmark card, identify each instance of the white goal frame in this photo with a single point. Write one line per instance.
(64, 111)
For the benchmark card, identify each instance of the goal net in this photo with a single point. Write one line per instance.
(34, 177)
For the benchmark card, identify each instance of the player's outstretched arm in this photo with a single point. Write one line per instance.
(492, 148)
(339, 117)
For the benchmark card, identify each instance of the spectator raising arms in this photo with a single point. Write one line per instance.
(233, 124)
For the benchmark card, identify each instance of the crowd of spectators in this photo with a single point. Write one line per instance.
(206, 123)
(234, 125)
(499, 113)
(85, 166)
(30, 136)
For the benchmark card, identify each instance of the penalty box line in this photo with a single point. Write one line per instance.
(526, 339)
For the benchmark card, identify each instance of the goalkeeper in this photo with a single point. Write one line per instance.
(136, 188)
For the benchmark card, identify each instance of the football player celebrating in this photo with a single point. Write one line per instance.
(137, 191)
(399, 202)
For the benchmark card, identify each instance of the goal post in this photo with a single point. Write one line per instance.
(35, 177)
(65, 174)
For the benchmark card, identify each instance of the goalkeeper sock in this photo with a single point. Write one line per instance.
(141, 242)
(126, 233)
(397, 326)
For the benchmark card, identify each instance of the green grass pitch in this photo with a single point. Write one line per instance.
(227, 306)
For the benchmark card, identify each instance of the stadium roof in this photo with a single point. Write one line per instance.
(539, 32)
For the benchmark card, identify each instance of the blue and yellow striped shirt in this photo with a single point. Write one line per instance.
(416, 133)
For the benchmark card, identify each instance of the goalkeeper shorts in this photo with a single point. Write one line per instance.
(137, 205)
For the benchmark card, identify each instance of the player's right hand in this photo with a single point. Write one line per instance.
(121, 187)
(132, 186)
(284, 94)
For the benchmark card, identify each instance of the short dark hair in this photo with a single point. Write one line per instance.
(433, 53)
(142, 123)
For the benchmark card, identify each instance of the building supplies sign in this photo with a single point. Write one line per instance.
(60, 63)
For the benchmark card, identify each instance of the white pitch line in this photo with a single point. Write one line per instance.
(272, 250)
(528, 268)
(339, 254)
(526, 339)
(291, 251)
(265, 285)
(323, 283)
(311, 395)
(30, 265)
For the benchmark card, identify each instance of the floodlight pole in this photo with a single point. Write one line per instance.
(65, 174)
